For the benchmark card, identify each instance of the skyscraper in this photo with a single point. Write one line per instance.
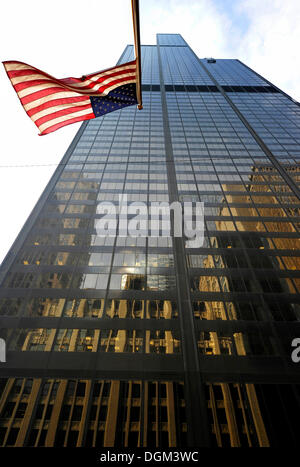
(124, 341)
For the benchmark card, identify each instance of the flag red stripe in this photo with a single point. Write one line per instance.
(67, 122)
(39, 94)
(54, 102)
(68, 82)
(18, 73)
(28, 84)
(60, 113)
(36, 70)
(48, 91)
(116, 81)
(127, 64)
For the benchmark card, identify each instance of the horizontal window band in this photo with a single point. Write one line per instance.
(217, 374)
(151, 87)
(211, 88)
(116, 364)
(89, 294)
(119, 375)
(48, 249)
(73, 294)
(245, 273)
(211, 233)
(216, 368)
(127, 324)
(263, 89)
(284, 329)
(190, 88)
(105, 323)
(245, 296)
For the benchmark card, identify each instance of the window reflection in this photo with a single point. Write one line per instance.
(237, 263)
(236, 343)
(76, 340)
(159, 282)
(149, 309)
(11, 306)
(127, 282)
(95, 340)
(162, 342)
(164, 425)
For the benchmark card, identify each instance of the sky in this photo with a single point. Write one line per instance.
(76, 38)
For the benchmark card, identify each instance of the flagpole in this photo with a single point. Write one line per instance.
(137, 48)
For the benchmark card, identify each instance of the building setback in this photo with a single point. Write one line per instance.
(123, 341)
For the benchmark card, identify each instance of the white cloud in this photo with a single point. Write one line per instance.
(271, 43)
(201, 24)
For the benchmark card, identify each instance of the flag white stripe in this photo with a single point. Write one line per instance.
(43, 100)
(39, 87)
(56, 108)
(97, 86)
(60, 95)
(131, 70)
(32, 77)
(114, 86)
(14, 66)
(113, 70)
(22, 79)
(64, 118)
(109, 80)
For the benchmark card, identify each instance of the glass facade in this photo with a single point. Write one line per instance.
(125, 342)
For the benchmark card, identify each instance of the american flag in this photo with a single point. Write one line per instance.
(53, 103)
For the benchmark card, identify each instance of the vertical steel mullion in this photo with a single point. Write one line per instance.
(196, 405)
